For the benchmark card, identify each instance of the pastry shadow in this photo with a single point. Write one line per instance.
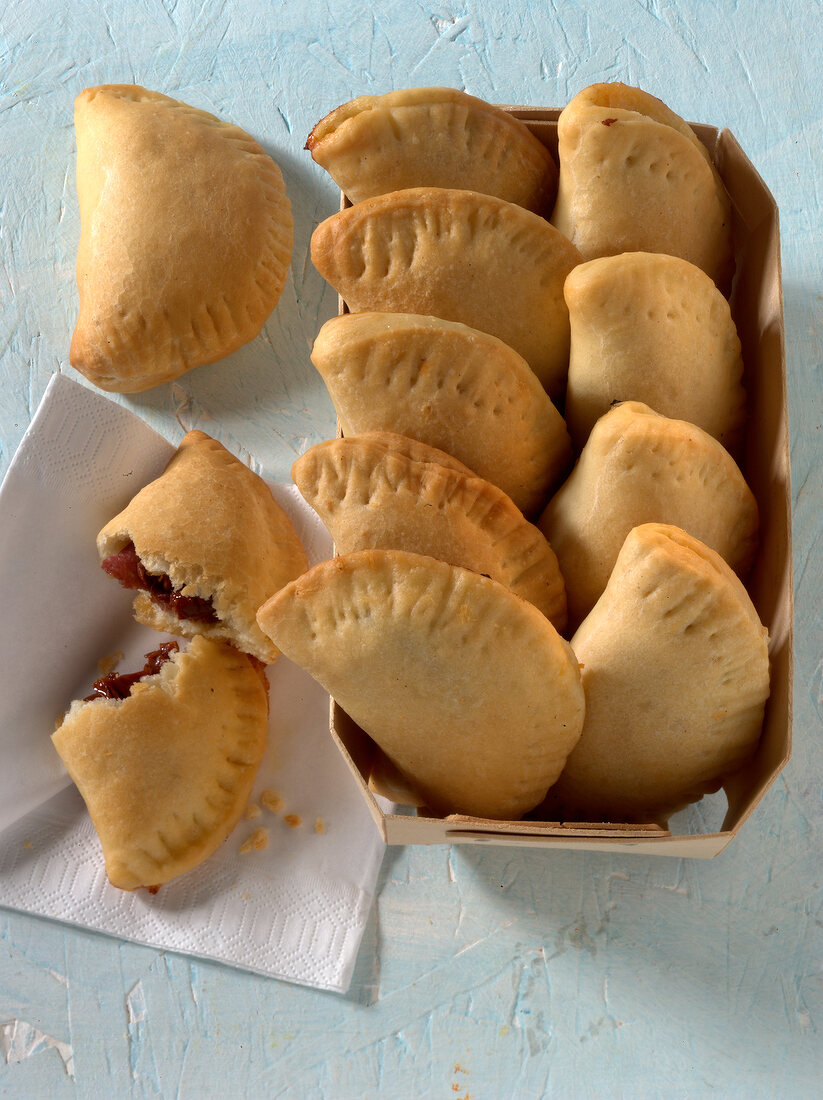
(272, 375)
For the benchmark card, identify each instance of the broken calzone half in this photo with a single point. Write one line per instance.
(165, 759)
(451, 386)
(185, 238)
(433, 137)
(675, 667)
(467, 688)
(370, 495)
(640, 467)
(634, 177)
(205, 544)
(655, 329)
(461, 256)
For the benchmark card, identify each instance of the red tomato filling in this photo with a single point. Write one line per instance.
(127, 568)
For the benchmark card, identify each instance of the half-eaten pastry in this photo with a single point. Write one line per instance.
(371, 496)
(165, 759)
(461, 256)
(634, 177)
(639, 467)
(205, 544)
(675, 667)
(467, 688)
(185, 238)
(454, 387)
(655, 329)
(433, 137)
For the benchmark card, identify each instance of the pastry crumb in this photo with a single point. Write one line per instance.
(252, 811)
(256, 842)
(108, 664)
(319, 825)
(294, 821)
(272, 801)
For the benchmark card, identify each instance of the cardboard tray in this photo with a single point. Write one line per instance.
(757, 307)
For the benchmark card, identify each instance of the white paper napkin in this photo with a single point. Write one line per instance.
(295, 910)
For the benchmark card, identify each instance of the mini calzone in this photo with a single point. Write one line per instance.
(639, 467)
(433, 137)
(205, 544)
(370, 495)
(461, 256)
(185, 237)
(467, 688)
(675, 667)
(165, 759)
(634, 177)
(655, 329)
(454, 387)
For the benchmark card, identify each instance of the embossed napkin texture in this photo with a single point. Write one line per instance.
(294, 910)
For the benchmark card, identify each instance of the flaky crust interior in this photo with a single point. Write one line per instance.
(212, 525)
(167, 772)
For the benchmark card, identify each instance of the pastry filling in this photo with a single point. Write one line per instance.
(127, 568)
(117, 685)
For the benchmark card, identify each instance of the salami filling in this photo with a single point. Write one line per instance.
(117, 685)
(127, 568)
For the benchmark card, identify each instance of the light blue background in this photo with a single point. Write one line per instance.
(487, 973)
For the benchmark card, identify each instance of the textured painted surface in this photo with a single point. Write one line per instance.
(485, 972)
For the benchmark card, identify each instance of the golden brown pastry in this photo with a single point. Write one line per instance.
(166, 768)
(640, 467)
(185, 242)
(675, 668)
(370, 495)
(634, 177)
(205, 544)
(468, 689)
(450, 386)
(461, 256)
(655, 329)
(433, 137)
(412, 449)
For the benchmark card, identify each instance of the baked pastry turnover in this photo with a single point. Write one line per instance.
(205, 544)
(451, 386)
(634, 177)
(185, 241)
(461, 256)
(655, 329)
(468, 689)
(675, 668)
(433, 137)
(167, 769)
(392, 443)
(370, 495)
(639, 467)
